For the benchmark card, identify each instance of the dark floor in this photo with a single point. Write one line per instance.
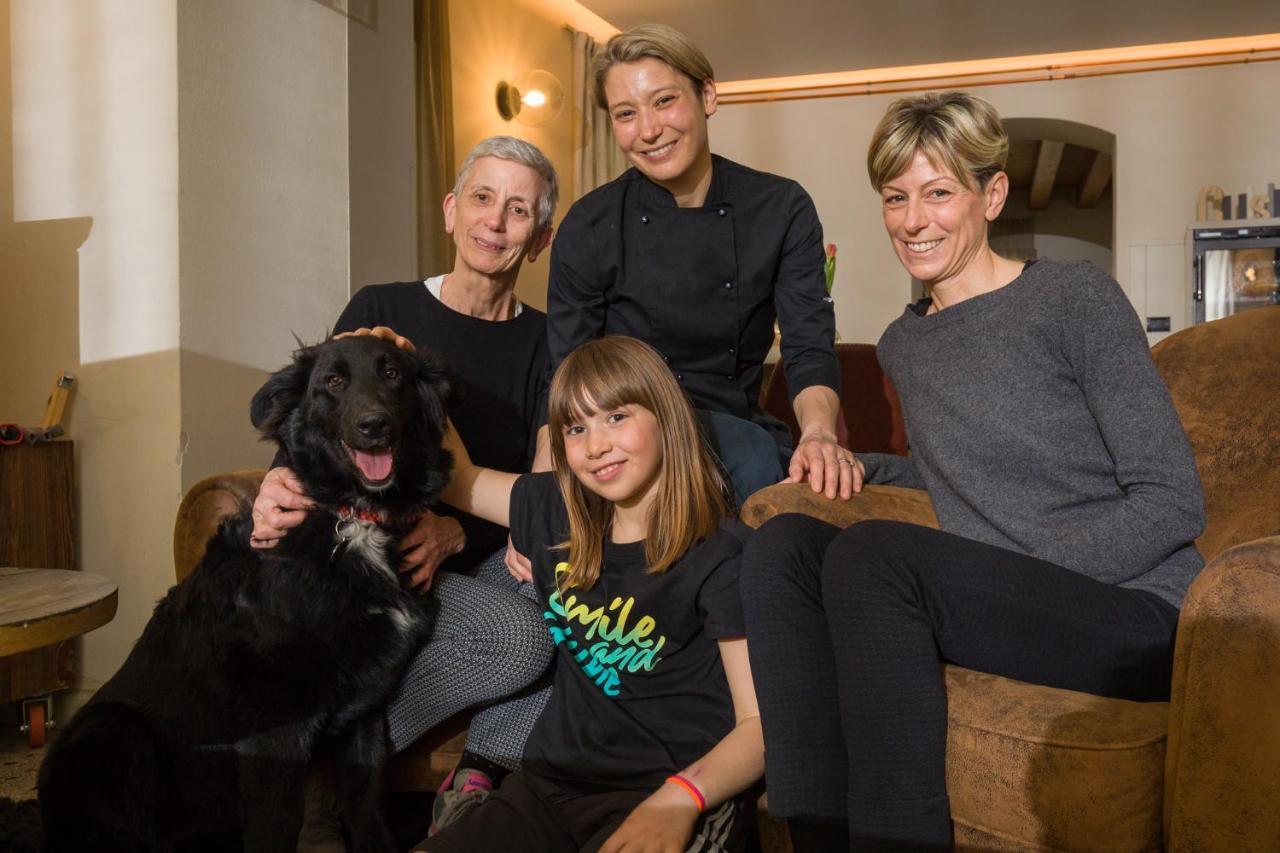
(19, 763)
(409, 816)
(408, 813)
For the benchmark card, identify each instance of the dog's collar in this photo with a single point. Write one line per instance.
(376, 517)
(350, 520)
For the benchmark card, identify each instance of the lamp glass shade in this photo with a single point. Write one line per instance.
(535, 98)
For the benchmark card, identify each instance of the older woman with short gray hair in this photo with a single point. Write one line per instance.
(489, 642)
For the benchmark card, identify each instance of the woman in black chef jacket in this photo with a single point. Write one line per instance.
(697, 255)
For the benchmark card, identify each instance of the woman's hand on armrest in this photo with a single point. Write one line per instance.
(280, 506)
(818, 458)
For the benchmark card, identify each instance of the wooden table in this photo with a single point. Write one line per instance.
(42, 609)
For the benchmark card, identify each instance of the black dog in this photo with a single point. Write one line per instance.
(260, 658)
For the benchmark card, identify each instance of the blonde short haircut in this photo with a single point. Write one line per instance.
(958, 132)
(650, 40)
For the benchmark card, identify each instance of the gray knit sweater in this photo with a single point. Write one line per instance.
(1038, 423)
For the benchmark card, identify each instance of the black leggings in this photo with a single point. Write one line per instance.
(848, 630)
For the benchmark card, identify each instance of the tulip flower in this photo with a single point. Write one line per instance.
(829, 268)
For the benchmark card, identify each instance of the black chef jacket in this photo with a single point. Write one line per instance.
(701, 285)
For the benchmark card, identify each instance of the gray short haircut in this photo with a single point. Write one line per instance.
(526, 154)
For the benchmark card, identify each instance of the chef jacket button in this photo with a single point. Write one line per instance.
(728, 376)
(679, 377)
(732, 350)
(722, 211)
(644, 220)
(666, 358)
(728, 285)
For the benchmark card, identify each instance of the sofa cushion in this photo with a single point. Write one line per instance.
(1224, 382)
(1038, 768)
(892, 502)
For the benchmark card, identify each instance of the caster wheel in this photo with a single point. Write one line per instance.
(37, 727)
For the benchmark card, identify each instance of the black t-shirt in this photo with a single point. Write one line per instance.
(640, 691)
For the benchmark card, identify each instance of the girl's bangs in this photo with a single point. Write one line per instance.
(590, 386)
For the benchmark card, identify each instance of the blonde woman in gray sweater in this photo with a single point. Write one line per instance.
(1064, 485)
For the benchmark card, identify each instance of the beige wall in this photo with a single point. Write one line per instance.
(263, 166)
(94, 153)
(289, 130)
(494, 40)
(383, 149)
(1175, 132)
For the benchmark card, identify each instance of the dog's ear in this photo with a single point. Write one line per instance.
(436, 386)
(282, 393)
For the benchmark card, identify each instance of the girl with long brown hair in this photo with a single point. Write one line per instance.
(652, 729)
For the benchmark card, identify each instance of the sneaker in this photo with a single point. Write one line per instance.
(461, 791)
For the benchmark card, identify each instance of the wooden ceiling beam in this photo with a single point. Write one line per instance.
(1096, 181)
(1047, 162)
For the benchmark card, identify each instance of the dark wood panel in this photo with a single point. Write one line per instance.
(37, 672)
(37, 506)
(37, 523)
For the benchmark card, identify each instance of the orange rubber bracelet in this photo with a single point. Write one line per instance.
(692, 790)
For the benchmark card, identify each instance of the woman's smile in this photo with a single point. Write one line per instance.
(924, 248)
(659, 153)
(487, 246)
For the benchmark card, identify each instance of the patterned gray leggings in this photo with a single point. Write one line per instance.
(489, 644)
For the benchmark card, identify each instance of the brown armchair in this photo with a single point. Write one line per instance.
(1036, 768)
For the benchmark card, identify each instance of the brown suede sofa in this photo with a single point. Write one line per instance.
(1033, 768)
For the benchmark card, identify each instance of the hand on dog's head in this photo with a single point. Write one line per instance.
(361, 422)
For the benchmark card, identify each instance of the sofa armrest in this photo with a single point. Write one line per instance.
(1222, 768)
(203, 507)
(888, 502)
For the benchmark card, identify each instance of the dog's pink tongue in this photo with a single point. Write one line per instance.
(375, 464)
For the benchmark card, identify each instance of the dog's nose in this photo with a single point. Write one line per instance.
(373, 425)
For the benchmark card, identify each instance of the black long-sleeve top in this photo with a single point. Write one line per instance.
(702, 285)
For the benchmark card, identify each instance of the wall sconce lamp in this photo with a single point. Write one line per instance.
(535, 98)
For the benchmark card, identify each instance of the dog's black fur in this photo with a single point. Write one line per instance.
(260, 658)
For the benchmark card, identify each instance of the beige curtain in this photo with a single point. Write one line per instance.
(435, 135)
(596, 159)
